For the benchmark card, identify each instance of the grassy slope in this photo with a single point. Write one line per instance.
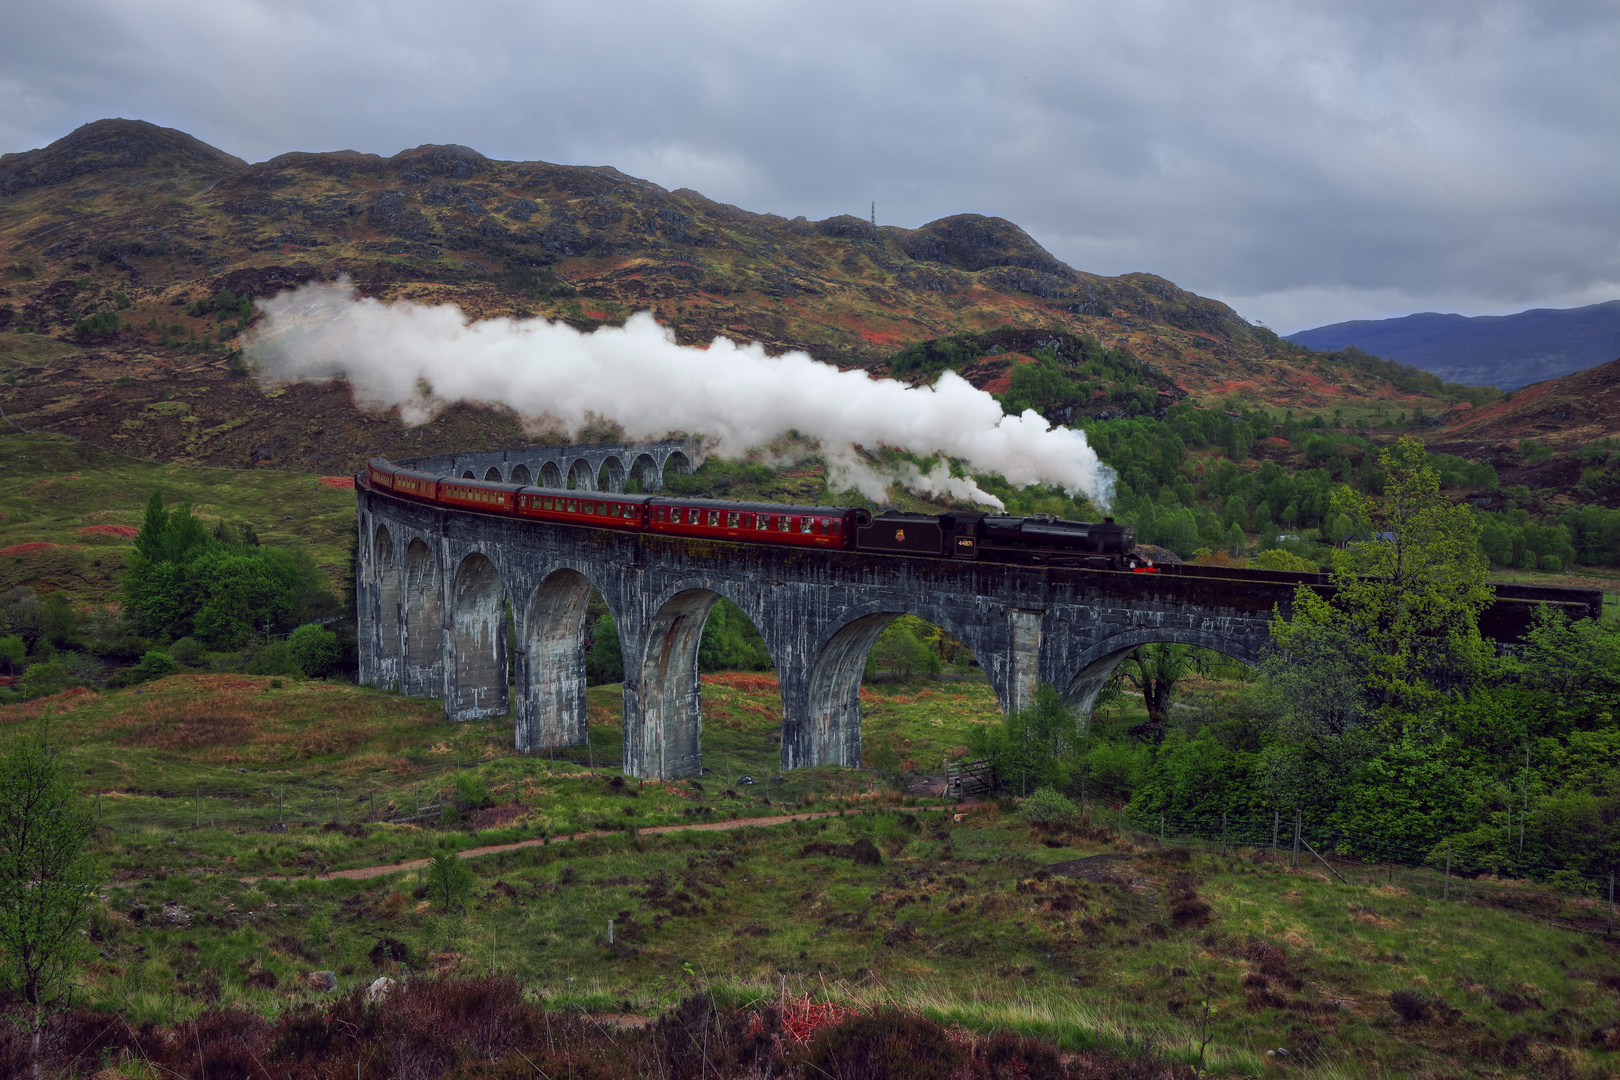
(52, 489)
(959, 920)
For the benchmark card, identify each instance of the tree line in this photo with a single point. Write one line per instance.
(194, 597)
(1379, 711)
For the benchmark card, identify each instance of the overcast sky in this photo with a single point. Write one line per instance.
(1307, 162)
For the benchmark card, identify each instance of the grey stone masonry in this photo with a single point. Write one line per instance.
(590, 467)
(434, 586)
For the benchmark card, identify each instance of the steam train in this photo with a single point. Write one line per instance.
(1040, 540)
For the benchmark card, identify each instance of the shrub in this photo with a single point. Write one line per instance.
(449, 880)
(313, 650)
(188, 650)
(272, 659)
(888, 1045)
(154, 665)
(1047, 807)
(865, 853)
(44, 679)
(471, 792)
(13, 654)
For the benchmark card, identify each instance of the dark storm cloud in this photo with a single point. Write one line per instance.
(1305, 162)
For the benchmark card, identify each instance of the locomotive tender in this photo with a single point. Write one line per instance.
(958, 534)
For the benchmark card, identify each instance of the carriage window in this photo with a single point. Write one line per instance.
(783, 523)
(805, 524)
(762, 521)
(832, 528)
(714, 517)
(733, 520)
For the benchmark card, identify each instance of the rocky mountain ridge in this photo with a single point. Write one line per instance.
(122, 238)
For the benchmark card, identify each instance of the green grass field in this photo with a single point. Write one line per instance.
(65, 504)
(964, 920)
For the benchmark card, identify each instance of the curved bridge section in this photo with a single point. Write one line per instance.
(436, 584)
(594, 467)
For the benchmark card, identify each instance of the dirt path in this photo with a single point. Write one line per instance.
(364, 872)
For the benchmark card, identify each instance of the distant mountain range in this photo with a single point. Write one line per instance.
(1508, 351)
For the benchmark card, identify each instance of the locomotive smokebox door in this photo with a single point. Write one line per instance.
(911, 534)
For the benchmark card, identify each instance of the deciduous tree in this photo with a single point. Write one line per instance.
(48, 881)
(1404, 609)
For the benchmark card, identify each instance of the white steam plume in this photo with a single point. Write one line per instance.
(421, 358)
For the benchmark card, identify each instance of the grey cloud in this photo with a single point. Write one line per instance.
(1306, 163)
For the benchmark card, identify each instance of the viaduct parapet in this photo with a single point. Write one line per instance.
(434, 584)
(589, 467)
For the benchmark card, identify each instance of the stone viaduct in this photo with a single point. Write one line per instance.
(435, 583)
(592, 467)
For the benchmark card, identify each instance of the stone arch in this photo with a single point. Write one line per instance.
(520, 474)
(551, 476)
(468, 475)
(581, 477)
(493, 473)
(423, 667)
(477, 687)
(1095, 666)
(669, 691)
(678, 461)
(551, 663)
(644, 474)
(611, 476)
(385, 571)
(831, 731)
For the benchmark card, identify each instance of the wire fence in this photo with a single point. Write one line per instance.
(1555, 894)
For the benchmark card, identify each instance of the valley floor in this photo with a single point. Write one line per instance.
(985, 920)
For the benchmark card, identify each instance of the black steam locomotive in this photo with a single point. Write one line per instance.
(1041, 540)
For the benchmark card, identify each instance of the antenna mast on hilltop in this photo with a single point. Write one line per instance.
(874, 213)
